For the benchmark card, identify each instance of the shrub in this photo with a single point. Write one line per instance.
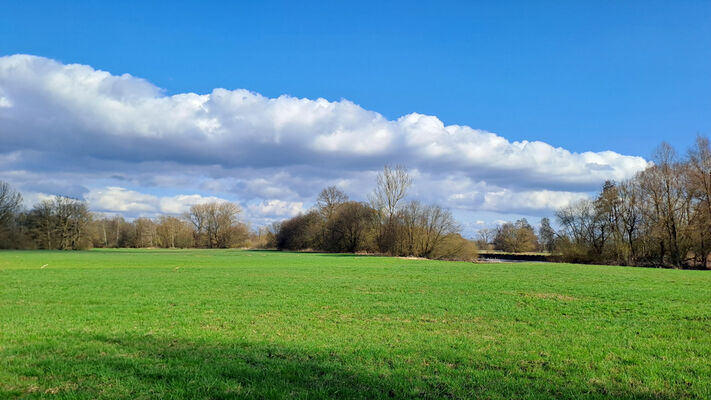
(455, 248)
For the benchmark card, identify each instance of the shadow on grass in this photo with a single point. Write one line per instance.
(138, 367)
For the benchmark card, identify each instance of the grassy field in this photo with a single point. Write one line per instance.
(146, 324)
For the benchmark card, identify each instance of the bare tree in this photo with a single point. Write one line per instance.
(72, 218)
(580, 227)
(664, 188)
(173, 232)
(700, 187)
(516, 237)
(546, 235)
(630, 217)
(410, 218)
(329, 199)
(350, 225)
(10, 203)
(41, 221)
(437, 223)
(214, 223)
(607, 208)
(391, 187)
(485, 236)
(60, 223)
(145, 232)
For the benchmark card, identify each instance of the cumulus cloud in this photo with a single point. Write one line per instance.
(102, 131)
(114, 199)
(277, 208)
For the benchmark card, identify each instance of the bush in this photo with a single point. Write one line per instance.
(299, 233)
(455, 248)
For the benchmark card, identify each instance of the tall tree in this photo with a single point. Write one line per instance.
(546, 235)
(664, 187)
(516, 237)
(10, 203)
(329, 199)
(214, 223)
(60, 223)
(349, 226)
(391, 188)
(700, 186)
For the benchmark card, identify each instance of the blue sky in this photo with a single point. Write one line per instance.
(586, 77)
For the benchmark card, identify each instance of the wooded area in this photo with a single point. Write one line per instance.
(387, 224)
(63, 223)
(659, 217)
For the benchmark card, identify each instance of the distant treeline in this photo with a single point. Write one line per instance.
(518, 237)
(387, 224)
(63, 223)
(659, 217)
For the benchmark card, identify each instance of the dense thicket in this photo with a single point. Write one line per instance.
(387, 224)
(661, 216)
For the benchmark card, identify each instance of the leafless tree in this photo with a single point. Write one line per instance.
(173, 232)
(700, 187)
(10, 203)
(391, 188)
(60, 223)
(546, 235)
(145, 232)
(214, 223)
(436, 223)
(485, 236)
(516, 237)
(663, 186)
(350, 225)
(329, 199)
(630, 217)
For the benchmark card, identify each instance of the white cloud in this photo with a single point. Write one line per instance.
(117, 199)
(79, 127)
(35, 197)
(507, 200)
(277, 208)
(471, 195)
(114, 199)
(181, 203)
(128, 118)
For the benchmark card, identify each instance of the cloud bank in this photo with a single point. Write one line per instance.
(125, 146)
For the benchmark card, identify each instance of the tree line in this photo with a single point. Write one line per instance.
(386, 224)
(659, 217)
(518, 237)
(63, 223)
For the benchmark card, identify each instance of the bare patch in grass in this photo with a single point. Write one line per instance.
(551, 296)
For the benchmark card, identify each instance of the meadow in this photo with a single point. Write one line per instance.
(218, 324)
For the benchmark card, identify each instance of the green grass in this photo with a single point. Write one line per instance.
(198, 324)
